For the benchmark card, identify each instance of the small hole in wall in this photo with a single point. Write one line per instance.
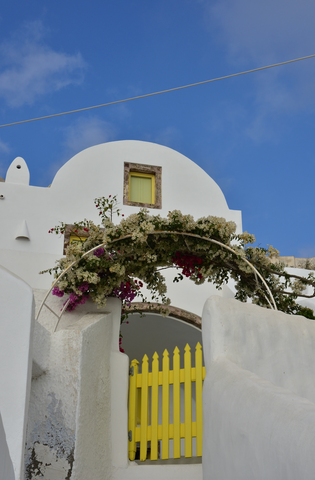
(18, 166)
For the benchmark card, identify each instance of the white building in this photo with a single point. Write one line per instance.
(27, 213)
(77, 410)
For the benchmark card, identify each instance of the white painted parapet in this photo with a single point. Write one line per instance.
(18, 172)
(259, 393)
(16, 336)
(78, 410)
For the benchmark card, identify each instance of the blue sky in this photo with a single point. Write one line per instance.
(254, 134)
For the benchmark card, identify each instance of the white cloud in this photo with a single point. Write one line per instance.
(255, 34)
(86, 132)
(82, 133)
(4, 147)
(265, 30)
(30, 68)
(4, 150)
(168, 137)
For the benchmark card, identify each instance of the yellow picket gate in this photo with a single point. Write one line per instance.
(140, 400)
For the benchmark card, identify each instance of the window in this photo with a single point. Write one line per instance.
(70, 236)
(141, 188)
(142, 185)
(77, 239)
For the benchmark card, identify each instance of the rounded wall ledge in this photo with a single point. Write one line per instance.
(22, 232)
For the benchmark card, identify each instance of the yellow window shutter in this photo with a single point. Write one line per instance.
(142, 188)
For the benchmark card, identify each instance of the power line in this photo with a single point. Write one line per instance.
(157, 93)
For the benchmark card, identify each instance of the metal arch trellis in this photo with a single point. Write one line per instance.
(271, 302)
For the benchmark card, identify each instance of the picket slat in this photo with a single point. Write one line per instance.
(188, 414)
(155, 407)
(165, 405)
(198, 363)
(133, 409)
(176, 403)
(144, 409)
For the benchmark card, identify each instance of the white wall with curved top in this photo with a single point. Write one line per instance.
(16, 327)
(185, 186)
(259, 393)
(94, 172)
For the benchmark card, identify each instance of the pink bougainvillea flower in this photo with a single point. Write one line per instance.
(187, 263)
(99, 252)
(120, 347)
(56, 291)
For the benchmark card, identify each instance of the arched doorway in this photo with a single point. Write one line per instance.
(147, 332)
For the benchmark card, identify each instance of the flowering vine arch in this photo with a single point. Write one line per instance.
(114, 259)
(270, 300)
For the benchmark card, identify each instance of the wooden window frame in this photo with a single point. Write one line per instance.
(143, 170)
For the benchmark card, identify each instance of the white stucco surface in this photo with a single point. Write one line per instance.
(92, 454)
(273, 345)
(259, 393)
(78, 410)
(158, 472)
(16, 326)
(18, 172)
(6, 466)
(181, 178)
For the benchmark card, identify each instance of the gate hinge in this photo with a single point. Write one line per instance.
(131, 371)
(130, 435)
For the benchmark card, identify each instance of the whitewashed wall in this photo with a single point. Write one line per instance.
(158, 472)
(27, 212)
(6, 465)
(259, 393)
(78, 408)
(16, 327)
